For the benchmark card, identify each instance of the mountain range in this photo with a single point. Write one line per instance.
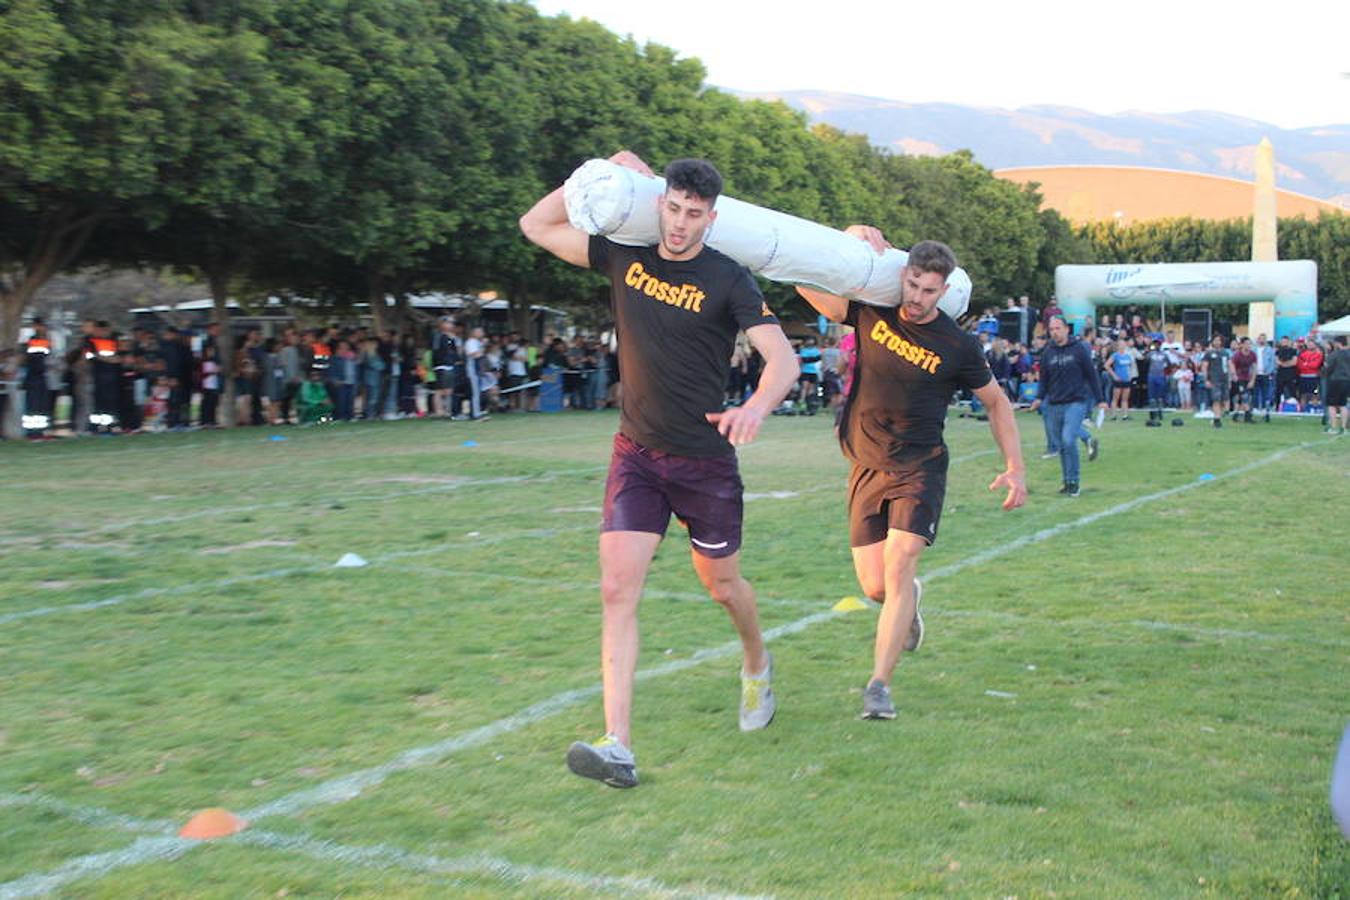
(1311, 161)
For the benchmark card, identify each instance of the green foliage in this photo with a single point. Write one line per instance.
(992, 224)
(346, 148)
(1327, 241)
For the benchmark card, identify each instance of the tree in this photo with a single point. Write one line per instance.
(992, 224)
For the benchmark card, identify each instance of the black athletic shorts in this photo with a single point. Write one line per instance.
(1337, 392)
(908, 498)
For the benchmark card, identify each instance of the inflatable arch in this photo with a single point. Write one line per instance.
(1292, 285)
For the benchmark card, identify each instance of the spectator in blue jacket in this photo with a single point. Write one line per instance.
(1069, 388)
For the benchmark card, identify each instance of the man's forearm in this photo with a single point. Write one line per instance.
(551, 209)
(779, 375)
(1004, 427)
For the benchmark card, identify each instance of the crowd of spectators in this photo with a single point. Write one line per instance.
(1143, 365)
(172, 379)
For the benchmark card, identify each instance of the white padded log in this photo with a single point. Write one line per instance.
(614, 201)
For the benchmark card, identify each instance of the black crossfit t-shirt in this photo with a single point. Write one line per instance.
(676, 324)
(904, 379)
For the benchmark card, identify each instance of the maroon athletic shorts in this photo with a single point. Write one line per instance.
(645, 486)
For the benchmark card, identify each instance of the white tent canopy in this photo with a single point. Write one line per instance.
(1337, 326)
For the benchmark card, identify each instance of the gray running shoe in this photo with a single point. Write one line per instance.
(915, 639)
(757, 702)
(606, 760)
(1094, 448)
(877, 702)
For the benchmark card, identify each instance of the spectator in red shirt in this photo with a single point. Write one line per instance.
(1309, 372)
(1051, 310)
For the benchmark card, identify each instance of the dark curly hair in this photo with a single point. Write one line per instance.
(696, 177)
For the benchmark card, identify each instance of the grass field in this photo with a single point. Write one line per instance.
(1135, 693)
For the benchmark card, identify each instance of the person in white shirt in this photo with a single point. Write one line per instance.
(474, 351)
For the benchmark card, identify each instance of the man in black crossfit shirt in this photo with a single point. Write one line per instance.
(677, 309)
(911, 358)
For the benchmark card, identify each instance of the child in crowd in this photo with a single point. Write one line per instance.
(314, 403)
(210, 386)
(157, 405)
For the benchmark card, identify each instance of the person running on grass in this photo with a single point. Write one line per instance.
(677, 306)
(911, 359)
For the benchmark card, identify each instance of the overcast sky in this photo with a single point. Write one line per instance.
(1282, 62)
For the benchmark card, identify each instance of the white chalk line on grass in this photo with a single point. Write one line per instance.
(96, 865)
(318, 568)
(421, 450)
(383, 856)
(167, 846)
(347, 787)
(209, 512)
(90, 815)
(1145, 624)
(1044, 534)
(929, 609)
(58, 452)
(591, 586)
(148, 593)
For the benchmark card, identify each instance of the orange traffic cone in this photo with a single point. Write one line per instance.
(212, 823)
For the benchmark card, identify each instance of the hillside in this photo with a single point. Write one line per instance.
(1312, 161)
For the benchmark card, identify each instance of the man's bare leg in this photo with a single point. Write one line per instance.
(901, 562)
(723, 580)
(624, 559)
(886, 573)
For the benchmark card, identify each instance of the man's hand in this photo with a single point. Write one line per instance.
(630, 160)
(739, 424)
(869, 235)
(1016, 483)
(1035, 404)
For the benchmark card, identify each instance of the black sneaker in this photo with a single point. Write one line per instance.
(1064, 488)
(1073, 489)
(606, 760)
(1218, 422)
(1094, 448)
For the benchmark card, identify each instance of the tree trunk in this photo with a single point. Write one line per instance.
(12, 303)
(519, 303)
(219, 280)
